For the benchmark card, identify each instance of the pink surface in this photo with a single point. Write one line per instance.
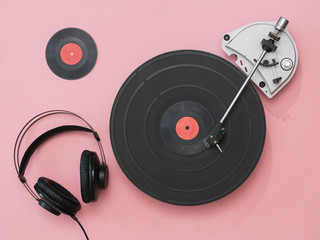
(280, 200)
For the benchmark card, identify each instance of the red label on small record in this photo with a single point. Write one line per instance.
(71, 53)
(187, 128)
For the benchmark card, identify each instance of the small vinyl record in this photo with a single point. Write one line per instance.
(164, 111)
(71, 53)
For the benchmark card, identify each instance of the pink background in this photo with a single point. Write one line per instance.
(280, 200)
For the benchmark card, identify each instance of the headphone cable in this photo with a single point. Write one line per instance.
(76, 219)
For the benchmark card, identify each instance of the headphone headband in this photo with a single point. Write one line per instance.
(20, 168)
(36, 143)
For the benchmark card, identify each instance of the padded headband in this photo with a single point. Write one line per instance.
(36, 143)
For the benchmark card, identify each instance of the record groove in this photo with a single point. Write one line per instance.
(174, 86)
(82, 52)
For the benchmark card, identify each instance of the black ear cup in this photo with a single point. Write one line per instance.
(103, 176)
(56, 196)
(89, 176)
(48, 207)
(84, 176)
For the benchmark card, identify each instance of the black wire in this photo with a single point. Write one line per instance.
(76, 219)
(26, 185)
(102, 153)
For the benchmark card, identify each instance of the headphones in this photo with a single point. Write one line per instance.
(51, 195)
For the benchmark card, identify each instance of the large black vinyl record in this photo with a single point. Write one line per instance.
(164, 111)
(71, 53)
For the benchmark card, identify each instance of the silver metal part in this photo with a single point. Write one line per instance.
(219, 148)
(281, 24)
(243, 86)
(245, 44)
(286, 64)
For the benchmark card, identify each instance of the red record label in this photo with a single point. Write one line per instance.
(71, 53)
(187, 128)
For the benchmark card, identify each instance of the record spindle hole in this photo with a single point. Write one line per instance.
(71, 53)
(187, 128)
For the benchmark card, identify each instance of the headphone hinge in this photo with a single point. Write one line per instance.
(22, 179)
(96, 136)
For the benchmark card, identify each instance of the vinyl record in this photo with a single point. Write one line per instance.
(163, 112)
(71, 53)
